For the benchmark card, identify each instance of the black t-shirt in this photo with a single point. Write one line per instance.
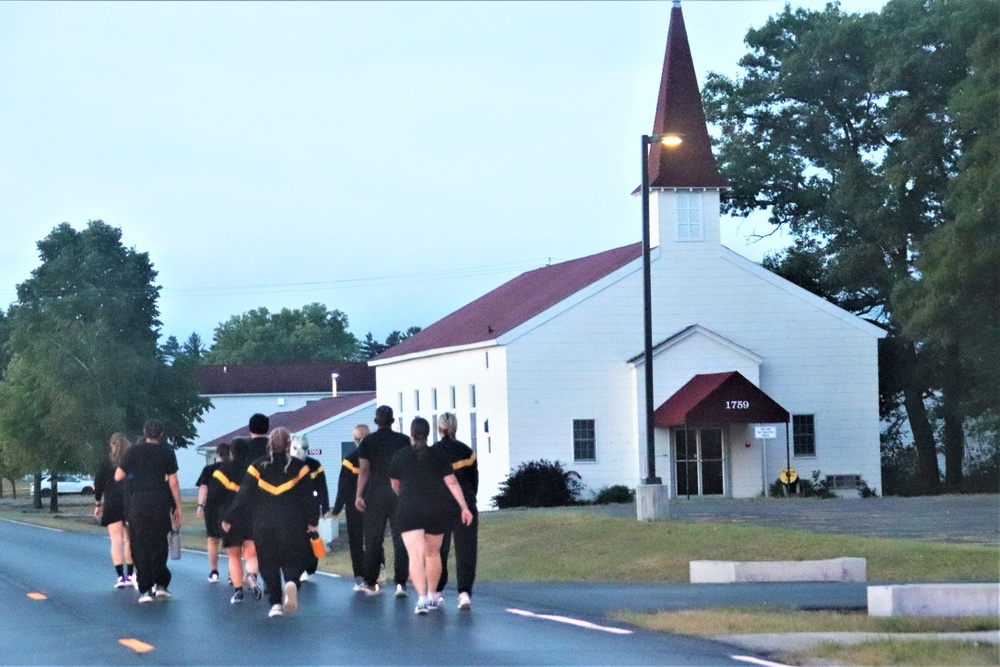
(378, 448)
(421, 477)
(147, 466)
(256, 449)
(205, 478)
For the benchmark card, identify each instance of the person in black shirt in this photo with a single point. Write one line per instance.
(300, 450)
(259, 426)
(466, 469)
(109, 507)
(208, 508)
(347, 488)
(376, 500)
(236, 538)
(428, 492)
(152, 507)
(277, 493)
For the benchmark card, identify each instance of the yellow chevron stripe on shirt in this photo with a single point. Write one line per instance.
(464, 463)
(226, 482)
(315, 473)
(281, 488)
(350, 466)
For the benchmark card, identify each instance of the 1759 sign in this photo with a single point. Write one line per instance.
(737, 405)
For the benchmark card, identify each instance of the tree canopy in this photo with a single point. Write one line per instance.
(84, 358)
(311, 333)
(856, 132)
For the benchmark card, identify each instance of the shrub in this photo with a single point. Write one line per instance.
(804, 488)
(615, 494)
(539, 484)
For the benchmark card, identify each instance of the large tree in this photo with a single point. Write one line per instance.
(85, 359)
(311, 333)
(840, 126)
(370, 347)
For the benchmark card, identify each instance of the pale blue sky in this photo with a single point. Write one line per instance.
(392, 160)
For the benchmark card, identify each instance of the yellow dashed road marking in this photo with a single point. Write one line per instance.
(136, 645)
(37, 596)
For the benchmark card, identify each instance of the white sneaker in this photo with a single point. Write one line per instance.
(401, 591)
(464, 601)
(276, 610)
(304, 577)
(368, 590)
(161, 593)
(435, 600)
(358, 583)
(291, 597)
(250, 583)
(122, 582)
(145, 598)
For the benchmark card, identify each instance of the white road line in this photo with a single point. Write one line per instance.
(33, 525)
(571, 621)
(758, 661)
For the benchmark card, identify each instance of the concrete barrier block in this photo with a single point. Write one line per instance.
(934, 600)
(723, 572)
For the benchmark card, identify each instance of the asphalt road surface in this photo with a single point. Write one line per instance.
(60, 608)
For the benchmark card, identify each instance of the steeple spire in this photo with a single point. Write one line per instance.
(679, 110)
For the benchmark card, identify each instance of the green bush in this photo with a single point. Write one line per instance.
(539, 484)
(614, 495)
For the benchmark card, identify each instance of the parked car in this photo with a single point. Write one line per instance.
(66, 484)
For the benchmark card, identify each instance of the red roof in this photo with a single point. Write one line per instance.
(515, 302)
(311, 414)
(284, 378)
(714, 398)
(679, 111)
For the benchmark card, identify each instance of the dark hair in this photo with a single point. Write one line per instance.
(420, 428)
(153, 429)
(223, 451)
(240, 448)
(383, 416)
(259, 424)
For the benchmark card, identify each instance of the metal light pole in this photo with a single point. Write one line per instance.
(647, 301)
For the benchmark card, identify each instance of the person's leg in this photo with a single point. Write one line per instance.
(414, 542)
(161, 548)
(250, 557)
(467, 553)
(400, 555)
(142, 554)
(432, 560)
(374, 518)
(213, 554)
(445, 548)
(235, 566)
(127, 544)
(116, 533)
(269, 561)
(356, 540)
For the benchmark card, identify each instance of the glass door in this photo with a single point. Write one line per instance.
(698, 462)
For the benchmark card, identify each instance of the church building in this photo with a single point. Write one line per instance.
(751, 373)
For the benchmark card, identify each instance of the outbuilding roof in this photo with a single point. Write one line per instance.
(311, 414)
(719, 398)
(515, 302)
(284, 378)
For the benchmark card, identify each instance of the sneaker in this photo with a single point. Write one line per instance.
(358, 583)
(304, 577)
(423, 606)
(381, 574)
(291, 597)
(161, 593)
(369, 590)
(213, 577)
(401, 591)
(250, 582)
(276, 610)
(237, 596)
(146, 598)
(134, 581)
(122, 582)
(435, 600)
(464, 601)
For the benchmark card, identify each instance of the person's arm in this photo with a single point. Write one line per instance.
(322, 492)
(395, 485)
(202, 499)
(456, 491)
(175, 490)
(119, 474)
(359, 499)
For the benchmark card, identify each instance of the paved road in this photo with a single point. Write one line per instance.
(79, 619)
(970, 519)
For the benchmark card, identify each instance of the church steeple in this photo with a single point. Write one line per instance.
(679, 110)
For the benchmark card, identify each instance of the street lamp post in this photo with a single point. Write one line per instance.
(647, 301)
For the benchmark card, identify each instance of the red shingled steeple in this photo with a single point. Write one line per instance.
(679, 110)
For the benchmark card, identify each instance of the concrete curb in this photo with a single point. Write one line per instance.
(796, 641)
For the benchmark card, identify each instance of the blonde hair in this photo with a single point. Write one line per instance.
(278, 442)
(449, 422)
(117, 446)
(360, 432)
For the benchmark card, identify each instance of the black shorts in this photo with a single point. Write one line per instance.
(431, 518)
(213, 525)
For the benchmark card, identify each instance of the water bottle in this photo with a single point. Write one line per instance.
(175, 543)
(317, 544)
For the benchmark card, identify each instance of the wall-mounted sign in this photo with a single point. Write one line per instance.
(764, 432)
(315, 452)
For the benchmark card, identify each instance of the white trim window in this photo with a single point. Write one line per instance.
(584, 440)
(804, 435)
(689, 213)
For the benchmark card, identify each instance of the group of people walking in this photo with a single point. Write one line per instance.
(263, 497)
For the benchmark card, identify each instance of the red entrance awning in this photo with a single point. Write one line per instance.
(715, 398)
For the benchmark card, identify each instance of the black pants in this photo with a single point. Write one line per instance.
(282, 549)
(380, 509)
(356, 539)
(148, 527)
(466, 553)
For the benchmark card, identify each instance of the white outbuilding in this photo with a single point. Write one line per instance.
(550, 364)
